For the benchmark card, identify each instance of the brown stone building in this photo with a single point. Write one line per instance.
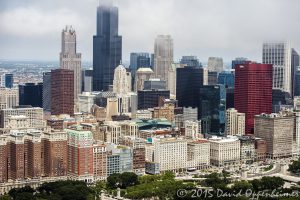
(100, 161)
(55, 153)
(62, 92)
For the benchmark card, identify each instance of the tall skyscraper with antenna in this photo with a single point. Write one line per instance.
(107, 46)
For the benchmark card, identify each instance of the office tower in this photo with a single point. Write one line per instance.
(297, 82)
(215, 64)
(31, 116)
(198, 154)
(85, 102)
(163, 57)
(205, 76)
(142, 75)
(211, 110)
(212, 78)
(190, 114)
(155, 84)
(229, 98)
(279, 99)
(138, 60)
(47, 91)
(107, 46)
(6, 80)
(191, 61)
(238, 61)
(122, 81)
(55, 151)
(235, 122)
(226, 78)
(253, 91)
(295, 65)
(70, 59)
(9, 80)
(150, 98)
(87, 80)
(278, 131)
(9, 97)
(31, 94)
(80, 153)
(279, 54)
(111, 108)
(224, 151)
(62, 92)
(189, 81)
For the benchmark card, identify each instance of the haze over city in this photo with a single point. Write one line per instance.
(30, 29)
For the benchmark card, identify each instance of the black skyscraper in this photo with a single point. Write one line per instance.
(188, 83)
(107, 47)
(31, 94)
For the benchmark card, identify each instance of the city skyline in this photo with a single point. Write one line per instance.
(209, 28)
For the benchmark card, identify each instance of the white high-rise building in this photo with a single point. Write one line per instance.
(215, 64)
(9, 97)
(280, 55)
(122, 81)
(198, 154)
(70, 59)
(235, 122)
(163, 57)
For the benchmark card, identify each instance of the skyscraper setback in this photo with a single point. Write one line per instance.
(69, 58)
(107, 46)
(253, 91)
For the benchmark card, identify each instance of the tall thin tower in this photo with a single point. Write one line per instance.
(107, 46)
(69, 58)
(163, 57)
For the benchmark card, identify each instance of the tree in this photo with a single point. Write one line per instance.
(295, 166)
(128, 179)
(113, 181)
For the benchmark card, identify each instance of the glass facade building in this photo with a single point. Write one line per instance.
(107, 47)
(189, 81)
(212, 107)
(31, 94)
(226, 79)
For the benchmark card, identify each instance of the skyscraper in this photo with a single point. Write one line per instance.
(215, 64)
(253, 91)
(191, 61)
(138, 60)
(189, 81)
(122, 81)
(211, 110)
(47, 91)
(69, 58)
(163, 57)
(62, 92)
(31, 94)
(107, 46)
(279, 54)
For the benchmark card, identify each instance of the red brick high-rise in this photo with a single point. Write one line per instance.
(253, 91)
(62, 92)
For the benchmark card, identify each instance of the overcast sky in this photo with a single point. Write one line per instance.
(31, 29)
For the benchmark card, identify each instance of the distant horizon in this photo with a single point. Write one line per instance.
(208, 29)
